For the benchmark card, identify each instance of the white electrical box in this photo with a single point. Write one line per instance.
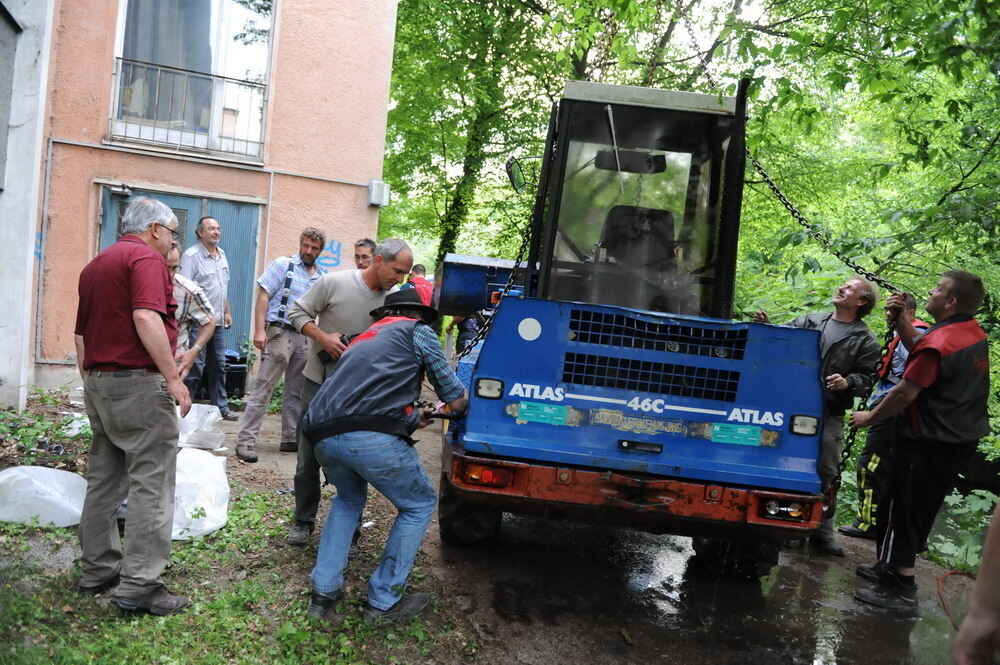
(378, 193)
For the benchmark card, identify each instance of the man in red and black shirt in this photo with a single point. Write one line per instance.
(942, 398)
(126, 335)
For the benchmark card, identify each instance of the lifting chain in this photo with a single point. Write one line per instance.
(817, 233)
(482, 332)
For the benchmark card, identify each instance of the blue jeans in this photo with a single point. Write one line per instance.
(211, 362)
(351, 461)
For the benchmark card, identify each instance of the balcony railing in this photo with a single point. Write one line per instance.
(186, 110)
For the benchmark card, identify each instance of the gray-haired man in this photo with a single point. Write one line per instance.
(126, 335)
(337, 305)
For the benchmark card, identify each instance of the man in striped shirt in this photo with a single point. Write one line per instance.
(192, 307)
(283, 349)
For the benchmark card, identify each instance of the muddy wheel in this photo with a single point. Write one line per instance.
(735, 559)
(463, 523)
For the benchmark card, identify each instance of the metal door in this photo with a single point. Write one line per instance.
(239, 223)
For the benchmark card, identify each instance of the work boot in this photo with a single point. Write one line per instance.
(410, 605)
(299, 534)
(824, 541)
(289, 446)
(159, 601)
(246, 453)
(890, 593)
(320, 603)
(872, 573)
(855, 531)
(98, 589)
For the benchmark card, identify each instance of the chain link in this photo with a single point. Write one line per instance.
(818, 234)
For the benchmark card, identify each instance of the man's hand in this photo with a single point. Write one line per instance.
(760, 316)
(260, 340)
(837, 382)
(978, 639)
(331, 343)
(181, 394)
(860, 419)
(897, 301)
(185, 361)
(227, 320)
(425, 417)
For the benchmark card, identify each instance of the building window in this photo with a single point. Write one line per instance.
(192, 75)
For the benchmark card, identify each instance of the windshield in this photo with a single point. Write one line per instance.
(638, 212)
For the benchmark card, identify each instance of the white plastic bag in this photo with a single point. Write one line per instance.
(50, 495)
(198, 429)
(201, 500)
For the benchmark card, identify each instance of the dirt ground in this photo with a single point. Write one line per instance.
(563, 592)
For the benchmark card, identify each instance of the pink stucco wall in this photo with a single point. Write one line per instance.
(326, 118)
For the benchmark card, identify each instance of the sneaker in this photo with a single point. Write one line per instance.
(890, 594)
(410, 605)
(873, 573)
(98, 589)
(246, 454)
(320, 603)
(299, 534)
(854, 531)
(289, 446)
(825, 543)
(230, 416)
(159, 601)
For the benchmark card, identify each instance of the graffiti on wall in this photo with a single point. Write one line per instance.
(330, 256)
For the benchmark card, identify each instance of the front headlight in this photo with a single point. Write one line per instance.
(489, 388)
(805, 425)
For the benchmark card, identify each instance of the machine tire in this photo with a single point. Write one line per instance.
(462, 523)
(734, 559)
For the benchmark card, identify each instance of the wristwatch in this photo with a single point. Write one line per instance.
(198, 347)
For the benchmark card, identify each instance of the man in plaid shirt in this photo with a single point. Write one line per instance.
(192, 305)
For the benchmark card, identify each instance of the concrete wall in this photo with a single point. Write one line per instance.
(19, 201)
(324, 141)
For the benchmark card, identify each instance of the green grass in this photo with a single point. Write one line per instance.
(250, 594)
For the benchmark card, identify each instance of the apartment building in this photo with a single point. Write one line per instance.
(268, 115)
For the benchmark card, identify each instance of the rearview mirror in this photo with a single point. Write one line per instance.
(631, 161)
(515, 174)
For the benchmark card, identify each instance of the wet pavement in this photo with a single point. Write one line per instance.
(563, 592)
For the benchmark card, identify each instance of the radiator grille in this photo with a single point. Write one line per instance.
(630, 332)
(650, 377)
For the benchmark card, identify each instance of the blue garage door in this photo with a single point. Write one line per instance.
(239, 223)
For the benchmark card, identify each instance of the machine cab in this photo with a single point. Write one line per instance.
(639, 200)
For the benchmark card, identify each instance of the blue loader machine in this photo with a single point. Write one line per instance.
(609, 384)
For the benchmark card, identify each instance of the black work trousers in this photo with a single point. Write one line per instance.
(922, 475)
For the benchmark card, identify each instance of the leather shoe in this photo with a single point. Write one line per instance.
(159, 601)
(890, 594)
(98, 589)
(246, 453)
(824, 542)
(320, 603)
(299, 533)
(873, 573)
(852, 531)
(409, 605)
(289, 446)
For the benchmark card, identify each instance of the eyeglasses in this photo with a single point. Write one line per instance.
(174, 233)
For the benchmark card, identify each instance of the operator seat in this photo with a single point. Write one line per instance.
(639, 237)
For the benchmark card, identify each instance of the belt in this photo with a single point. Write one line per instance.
(114, 370)
(282, 324)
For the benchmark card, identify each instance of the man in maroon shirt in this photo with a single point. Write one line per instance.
(942, 398)
(126, 335)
